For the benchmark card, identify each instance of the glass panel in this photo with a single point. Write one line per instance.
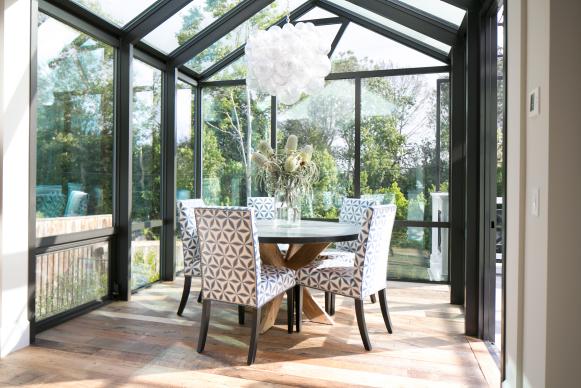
(238, 70)
(145, 257)
(399, 159)
(74, 151)
(418, 254)
(392, 25)
(185, 108)
(317, 13)
(326, 121)
(70, 278)
(360, 49)
(440, 9)
(146, 142)
(237, 37)
(115, 11)
(228, 141)
(186, 23)
(146, 160)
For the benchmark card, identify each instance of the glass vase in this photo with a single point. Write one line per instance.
(288, 212)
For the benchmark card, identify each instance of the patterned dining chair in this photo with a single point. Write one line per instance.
(352, 212)
(232, 271)
(365, 277)
(190, 247)
(264, 207)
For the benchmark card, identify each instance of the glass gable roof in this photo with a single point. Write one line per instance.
(237, 37)
(361, 49)
(392, 25)
(317, 13)
(186, 23)
(117, 12)
(439, 9)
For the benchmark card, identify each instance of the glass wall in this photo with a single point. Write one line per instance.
(405, 161)
(70, 278)
(74, 135)
(146, 161)
(74, 165)
(185, 161)
(326, 121)
(233, 123)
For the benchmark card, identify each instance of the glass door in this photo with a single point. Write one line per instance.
(495, 185)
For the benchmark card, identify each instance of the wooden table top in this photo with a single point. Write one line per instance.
(307, 232)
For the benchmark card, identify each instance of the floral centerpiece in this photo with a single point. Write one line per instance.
(288, 175)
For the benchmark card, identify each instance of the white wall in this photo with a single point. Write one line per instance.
(564, 219)
(14, 129)
(543, 252)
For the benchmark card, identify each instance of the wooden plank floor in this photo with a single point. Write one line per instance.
(144, 343)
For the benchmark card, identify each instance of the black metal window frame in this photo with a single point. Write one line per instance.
(128, 45)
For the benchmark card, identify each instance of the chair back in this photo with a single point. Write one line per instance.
(264, 207)
(373, 249)
(230, 254)
(189, 235)
(352, 212)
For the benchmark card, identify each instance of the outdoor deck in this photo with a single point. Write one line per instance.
(144, 343)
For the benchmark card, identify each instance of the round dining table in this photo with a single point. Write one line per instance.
(305, 242)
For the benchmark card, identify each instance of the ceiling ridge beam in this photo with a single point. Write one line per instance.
(239, 51)
(412, 18)
(218, 29)
(151, 18)
(387, 32)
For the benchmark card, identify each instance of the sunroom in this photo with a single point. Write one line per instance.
(138, 107)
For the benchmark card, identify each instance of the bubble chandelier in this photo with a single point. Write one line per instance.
(287, 62)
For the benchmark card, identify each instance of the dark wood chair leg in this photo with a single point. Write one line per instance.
(373, 300)
(328, 302)
(361, 323)
(185, 294)
(200, 296)
(241, 314)
(254, 336)
(385, 310)
(332, 307)
(290, 306)
(299, 306)
(205, 322)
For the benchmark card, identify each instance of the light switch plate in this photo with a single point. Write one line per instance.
(535, 202)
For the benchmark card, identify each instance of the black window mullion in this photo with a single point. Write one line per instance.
(357, 156)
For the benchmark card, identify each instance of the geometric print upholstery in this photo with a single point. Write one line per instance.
(367, 274)
(189, 235)
(230, 258)
(264, 207)
(274, 281)
(352, 212)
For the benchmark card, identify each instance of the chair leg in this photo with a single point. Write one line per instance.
(373, 300)
(385, 310)
(200, 296)
(299, 306)
(332, 307)
(205, 322)
(241, 314)
(328, 302)
(361, 323)
(290, 305)
(254, 336)
(185, 295)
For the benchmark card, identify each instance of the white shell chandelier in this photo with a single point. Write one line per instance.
(287, 62)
